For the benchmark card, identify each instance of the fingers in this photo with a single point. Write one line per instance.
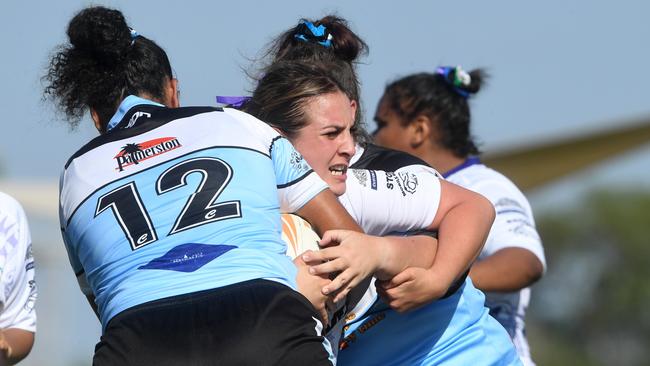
(312, 257)
(342, 284)
(334, 266)
(334, 237)
(397, 280)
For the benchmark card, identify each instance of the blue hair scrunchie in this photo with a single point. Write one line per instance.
(460, 80)
(308, 32)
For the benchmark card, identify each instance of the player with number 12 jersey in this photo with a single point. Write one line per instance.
(176, 201)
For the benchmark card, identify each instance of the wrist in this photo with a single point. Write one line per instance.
(384, 251)
(440, 281)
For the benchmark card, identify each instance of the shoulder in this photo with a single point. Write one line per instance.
(486, 181)
(380, 158)
(10, 209)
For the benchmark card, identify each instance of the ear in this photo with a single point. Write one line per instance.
(353, 105)
(172, 92)
(95, 116)
(420, 130)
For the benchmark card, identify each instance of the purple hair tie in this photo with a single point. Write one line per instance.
(232, 101)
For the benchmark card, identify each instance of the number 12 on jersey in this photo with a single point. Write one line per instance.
(200, 208)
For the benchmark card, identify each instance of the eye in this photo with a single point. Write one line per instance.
(333, 133)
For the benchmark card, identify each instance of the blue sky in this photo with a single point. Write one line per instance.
(557, 68)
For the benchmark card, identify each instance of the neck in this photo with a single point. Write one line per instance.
(439, 158)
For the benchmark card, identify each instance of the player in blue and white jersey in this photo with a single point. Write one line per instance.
(171, 217)
(303, 97)
(428, 115)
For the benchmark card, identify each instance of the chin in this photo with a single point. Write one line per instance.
(337, 188)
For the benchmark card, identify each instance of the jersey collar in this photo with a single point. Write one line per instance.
(472, 160)
(128, 103)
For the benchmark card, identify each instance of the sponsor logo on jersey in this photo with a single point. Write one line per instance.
(134, 153)
(298, 162)
(367, 324)
(361, 176)
(135, 116)
(406, 182)
(188, 257)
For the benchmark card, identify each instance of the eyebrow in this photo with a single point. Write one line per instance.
(379, 120)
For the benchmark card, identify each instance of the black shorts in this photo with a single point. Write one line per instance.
(256, 322)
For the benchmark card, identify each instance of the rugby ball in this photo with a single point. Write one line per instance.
(298, 235)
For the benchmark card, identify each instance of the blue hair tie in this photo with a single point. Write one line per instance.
(308, 32)
(134, 35)
(460, 80)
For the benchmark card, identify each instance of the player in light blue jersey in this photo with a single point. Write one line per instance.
(171, 217)
(456, 330)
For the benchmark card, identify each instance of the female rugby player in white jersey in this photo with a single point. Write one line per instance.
(310, 93)
(18, 290)
(171, 217)
(428, 115)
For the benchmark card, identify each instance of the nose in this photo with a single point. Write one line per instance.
(377, 137)
(347, 146)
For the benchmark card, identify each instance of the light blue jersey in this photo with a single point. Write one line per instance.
(457, 330)
(174, 201)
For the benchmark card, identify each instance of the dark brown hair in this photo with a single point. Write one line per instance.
(433, 95)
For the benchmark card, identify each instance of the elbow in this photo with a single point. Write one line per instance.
(535, 271)
(486, 207)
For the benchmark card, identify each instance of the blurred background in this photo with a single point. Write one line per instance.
(564, 74)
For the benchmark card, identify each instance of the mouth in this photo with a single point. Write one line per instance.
(338, 169)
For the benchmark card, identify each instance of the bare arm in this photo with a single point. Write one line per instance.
(463, 221)
(358, 256)
(509, 269)
(324, 212)
(15, 345)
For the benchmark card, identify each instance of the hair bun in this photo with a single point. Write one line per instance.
(345, 43)
(101, 31)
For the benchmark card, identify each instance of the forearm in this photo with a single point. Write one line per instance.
(401, 252)
(324, 212)
(509, 269)
(20, 341)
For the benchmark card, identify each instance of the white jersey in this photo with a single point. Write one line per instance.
(513, 226)
(18, 292)
(383, 203)
(392, 202)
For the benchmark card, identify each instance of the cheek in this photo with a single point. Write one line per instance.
(383, 137)
(315, 156)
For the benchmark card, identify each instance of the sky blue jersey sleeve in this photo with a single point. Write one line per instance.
(296, 181)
